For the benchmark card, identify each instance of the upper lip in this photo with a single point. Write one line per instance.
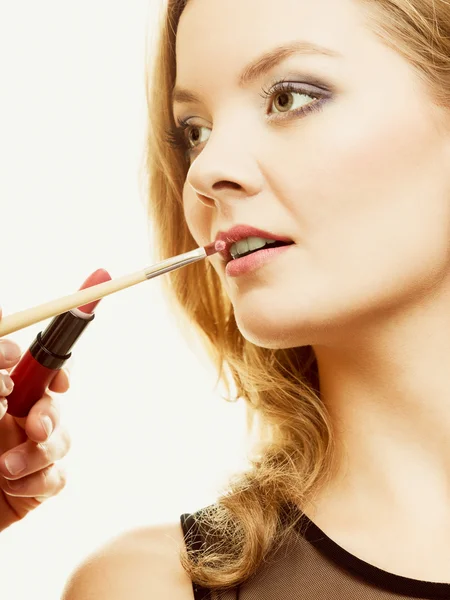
(240, 232)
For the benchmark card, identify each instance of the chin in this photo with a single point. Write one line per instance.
(269, 325)
(270, 331)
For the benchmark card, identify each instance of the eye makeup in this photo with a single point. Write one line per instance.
(177, 136)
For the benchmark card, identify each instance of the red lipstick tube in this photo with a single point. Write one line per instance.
(49, 351)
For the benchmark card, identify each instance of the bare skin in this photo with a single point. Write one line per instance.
(29, 446)
(141, 564)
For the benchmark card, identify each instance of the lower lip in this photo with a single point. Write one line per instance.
(247, 264)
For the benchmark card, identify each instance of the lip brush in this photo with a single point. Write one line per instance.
(30, 316)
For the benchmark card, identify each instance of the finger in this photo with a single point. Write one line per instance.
(6, 384)
(60, 383)
(9, 353)
(41, 485)
(3, 407)
(43, 418)
(29, 457)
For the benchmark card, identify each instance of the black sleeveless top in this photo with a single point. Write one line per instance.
(314, 567)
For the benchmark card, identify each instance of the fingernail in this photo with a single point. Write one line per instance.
(9, 384)
(15, 463)
(16, 484)
(10, 351)
(47, 424)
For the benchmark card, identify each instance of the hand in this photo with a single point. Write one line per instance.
(28, 449)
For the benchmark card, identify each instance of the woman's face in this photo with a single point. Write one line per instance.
(360, 184)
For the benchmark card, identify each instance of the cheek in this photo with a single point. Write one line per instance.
(197, 217)
(369, 187)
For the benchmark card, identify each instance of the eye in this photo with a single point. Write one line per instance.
(180, 136)
(285, 101)
(289, 96)
(193, 135)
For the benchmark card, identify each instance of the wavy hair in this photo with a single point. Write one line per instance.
(294, 444)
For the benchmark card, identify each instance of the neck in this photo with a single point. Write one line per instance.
(389, 400)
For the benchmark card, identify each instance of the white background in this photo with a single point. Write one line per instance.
(151, 436)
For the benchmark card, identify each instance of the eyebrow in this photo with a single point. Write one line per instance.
(260, 66)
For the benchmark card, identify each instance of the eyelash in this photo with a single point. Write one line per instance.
(176, 136)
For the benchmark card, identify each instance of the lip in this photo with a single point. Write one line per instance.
(240, 232)
(253, 262)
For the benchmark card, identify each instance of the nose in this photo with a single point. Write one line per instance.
(220, 192)
(223, 174)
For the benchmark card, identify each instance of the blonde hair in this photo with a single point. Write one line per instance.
(294, 454)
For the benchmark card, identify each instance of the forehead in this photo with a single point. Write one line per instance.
(229, 33)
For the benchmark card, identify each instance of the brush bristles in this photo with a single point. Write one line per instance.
(214, 247)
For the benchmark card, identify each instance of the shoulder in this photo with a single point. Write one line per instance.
(140, 564)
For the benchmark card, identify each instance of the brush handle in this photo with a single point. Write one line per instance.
(30, 316)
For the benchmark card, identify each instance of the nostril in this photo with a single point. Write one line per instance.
(221, 184)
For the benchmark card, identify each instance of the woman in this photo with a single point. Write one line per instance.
(325, 123)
